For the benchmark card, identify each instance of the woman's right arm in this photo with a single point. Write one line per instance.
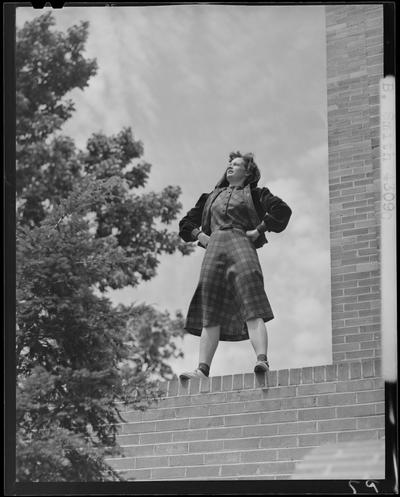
(192, 220)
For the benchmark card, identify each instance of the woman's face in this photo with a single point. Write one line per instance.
(236, 172)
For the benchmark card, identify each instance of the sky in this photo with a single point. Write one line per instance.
(195, 82)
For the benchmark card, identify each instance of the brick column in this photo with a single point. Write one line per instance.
(355, 66)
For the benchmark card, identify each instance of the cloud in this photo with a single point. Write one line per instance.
(195, 82)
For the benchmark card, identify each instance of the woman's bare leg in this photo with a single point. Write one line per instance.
(208, 343)
(258, 335)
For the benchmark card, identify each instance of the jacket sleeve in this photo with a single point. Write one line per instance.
(277, 212)
(192, 220)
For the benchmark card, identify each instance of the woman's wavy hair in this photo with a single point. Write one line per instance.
(249, 164)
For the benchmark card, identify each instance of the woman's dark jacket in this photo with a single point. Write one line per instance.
(266, 211)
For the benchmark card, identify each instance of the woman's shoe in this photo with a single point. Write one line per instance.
(197, 373)
(261, 367)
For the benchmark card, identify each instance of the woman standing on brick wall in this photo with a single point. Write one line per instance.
(230, 302)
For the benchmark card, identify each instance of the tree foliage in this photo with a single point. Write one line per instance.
(83, 228)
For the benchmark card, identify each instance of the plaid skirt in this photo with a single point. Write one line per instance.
(231, 287)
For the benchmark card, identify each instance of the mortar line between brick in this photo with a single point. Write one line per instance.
(253, 438)
(233, 451)
(280, 461)
(274, 449)
(317, 394)
(283, 423)
(222, 478)
(254, 412)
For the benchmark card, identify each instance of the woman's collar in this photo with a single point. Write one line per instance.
(241, 187)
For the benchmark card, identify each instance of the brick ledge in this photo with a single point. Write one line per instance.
(341, 371)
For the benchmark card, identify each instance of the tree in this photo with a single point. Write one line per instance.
(82, 229)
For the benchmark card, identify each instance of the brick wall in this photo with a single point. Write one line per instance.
(354, 66)
(248, 426)
(359, 460)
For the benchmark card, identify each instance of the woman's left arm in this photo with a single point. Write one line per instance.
(276, 212)
(192, 220)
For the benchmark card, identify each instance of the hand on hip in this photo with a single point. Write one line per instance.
(253, 235)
